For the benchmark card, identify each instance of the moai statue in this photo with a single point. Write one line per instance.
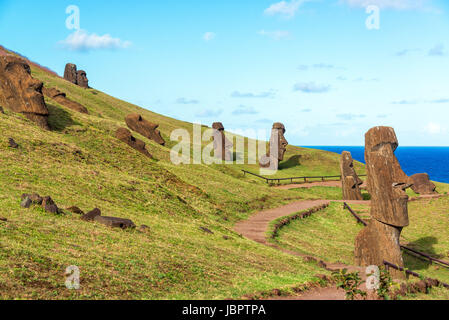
(387, 183)
(146, 128)
(422, 184)
(81, 79)
(222, 146)
(70, 73)
(349, 179)
(20, 92)
(278, 146)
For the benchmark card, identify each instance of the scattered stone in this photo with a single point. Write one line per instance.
(206, 230)
(349, 179)
(147, 129)
(61, 98)
(125, 135)
(34, 197)
(26, 203)
(422, 184)
(20, 92)
(278, 147)
(50, 206)
(387, 183)
(12, 143)
(81, 79)
(222, 146)
(70, 73)
(2, 111)
(115, 222)
(91, 215)
(144, 229)
(76, 210)
(226, 238)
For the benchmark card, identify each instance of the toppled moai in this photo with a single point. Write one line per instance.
(125, 136)
(78, 77)
(113, 222)
(350, 181)
(277, 148)
(222, 146)
(387, 183)
(147, 129)
(422, 184)
(20, 92)
(61, 98)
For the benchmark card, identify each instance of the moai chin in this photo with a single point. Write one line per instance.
(222, 146)
(278, 147)
(349, 179)
(387, 183)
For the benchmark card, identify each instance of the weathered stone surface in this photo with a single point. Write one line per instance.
(144, 229)
(49, 205)
(147, 129)
(350, 180)
(125, 135)
(422, 184)
(81, 79)
(34, 197)
(2, 111)
(75, 210)
(115, 222)
(70, 73)
(387, 183)
(26, 203)
(386, 180)
(20, 93)
(61, 98)
(91, 215)
(12, 143)
(222, 146)
(278, 147)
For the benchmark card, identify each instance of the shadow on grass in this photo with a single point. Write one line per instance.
(290, 163)
(59, 118)
(424, 245)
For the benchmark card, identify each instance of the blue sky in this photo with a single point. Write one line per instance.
(313, 65)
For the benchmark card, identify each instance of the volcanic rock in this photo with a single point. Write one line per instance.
(350, 180)
(147, 129)
(125, 135)
(34, 197)
(91, 215)
(49, 205)
(61, 98)
(115, 222)
(20, 93)
(81, 79)
(26, 203)
(222, 146)
(75, 210)
(422, 184)
(12, 143)
(278, 147)
(70, 73)
(2, 111)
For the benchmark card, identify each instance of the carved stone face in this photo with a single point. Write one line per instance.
(350, 179)
(19, 92)
(282, 143)
(386, 180)
(81, 79)
(147, 129)
(222, 146)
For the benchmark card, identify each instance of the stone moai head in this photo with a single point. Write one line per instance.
(422, 184)
(70, 73)
(278, 147)
(20, 92)
(386, 180)
(350, 180)
(145, 128)
(81, 79)
(222, 146)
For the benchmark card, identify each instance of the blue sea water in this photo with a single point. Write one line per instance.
(431, 160)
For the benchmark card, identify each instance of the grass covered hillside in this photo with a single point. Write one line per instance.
(81, 163)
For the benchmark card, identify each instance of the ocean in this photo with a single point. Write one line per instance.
(431, 160)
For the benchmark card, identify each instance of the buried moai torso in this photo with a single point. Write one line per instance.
(422, 184)
(278, 147)
(222, 146)
(387, 183)
(20, 93)
(145, 128)
(350, 180)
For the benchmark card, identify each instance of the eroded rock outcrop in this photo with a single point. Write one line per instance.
(147, 129)
(277, 148)
(422, 184)
(20, 93)
(349, 179)
(61, 98)
(387, 183)
(125, 135)
(222, 146)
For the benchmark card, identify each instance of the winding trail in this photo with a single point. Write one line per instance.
(256, 227)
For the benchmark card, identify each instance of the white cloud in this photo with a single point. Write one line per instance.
(208, 36)
(434, 128)
(388, 4)
(276, 35)
(285, 8)
(311, 87)
(81, 40)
